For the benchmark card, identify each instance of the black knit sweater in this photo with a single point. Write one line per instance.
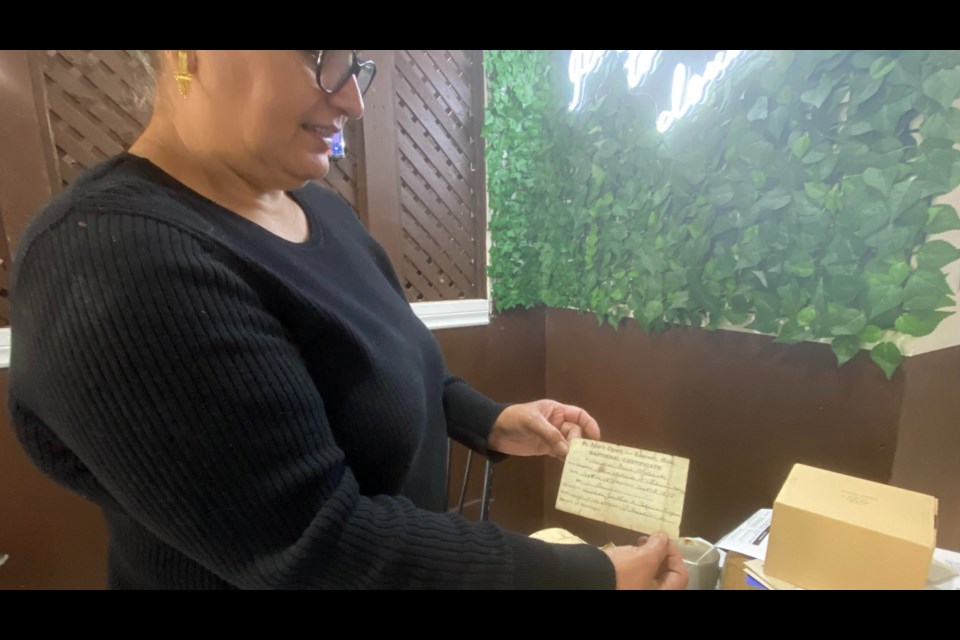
(248, 412)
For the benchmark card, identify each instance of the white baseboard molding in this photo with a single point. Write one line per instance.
(4, 347)
(453, 313)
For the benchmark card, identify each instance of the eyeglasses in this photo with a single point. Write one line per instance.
(334, 69)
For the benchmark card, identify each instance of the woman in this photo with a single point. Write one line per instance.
(212, 349)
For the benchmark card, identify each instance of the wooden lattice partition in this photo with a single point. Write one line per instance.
(442, 196)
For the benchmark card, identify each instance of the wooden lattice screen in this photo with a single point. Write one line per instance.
(92, 105)
(439, 110)
(97, 106)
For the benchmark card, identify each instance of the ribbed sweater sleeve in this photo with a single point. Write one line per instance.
(470, 416)
(188, 405)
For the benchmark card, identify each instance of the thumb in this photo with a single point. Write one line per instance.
(656, 546)
(550, 435)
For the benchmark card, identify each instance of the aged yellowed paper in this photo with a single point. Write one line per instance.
(631, 488)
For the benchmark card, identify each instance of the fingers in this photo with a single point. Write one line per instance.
(558, 414)
(551, 436)
(656, 546)
(674, 581)
(588, 426)
(570, 430)
(674, 557)
(670, 572)
(674, 575)
(655, 564)
(651, 556)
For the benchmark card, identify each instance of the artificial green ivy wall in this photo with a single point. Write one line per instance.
(797, 200)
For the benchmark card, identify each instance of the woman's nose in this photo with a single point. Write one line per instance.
(348, 99)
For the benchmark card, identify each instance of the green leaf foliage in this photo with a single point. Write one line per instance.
(797, 199)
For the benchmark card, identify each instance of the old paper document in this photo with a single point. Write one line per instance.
(631, 488)
(557, 536)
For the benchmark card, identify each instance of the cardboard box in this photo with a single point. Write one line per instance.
(832, 531)
(734, 577)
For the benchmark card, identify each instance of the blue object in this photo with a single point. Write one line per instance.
(337, 150)
(753, 583)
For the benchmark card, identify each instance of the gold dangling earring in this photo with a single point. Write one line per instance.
(184, 79)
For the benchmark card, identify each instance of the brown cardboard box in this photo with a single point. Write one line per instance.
(832, 531)
(734, 578)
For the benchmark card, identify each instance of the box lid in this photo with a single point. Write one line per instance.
(896, 512)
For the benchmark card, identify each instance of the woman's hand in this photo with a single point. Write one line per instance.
(544, 427)
(655, 564)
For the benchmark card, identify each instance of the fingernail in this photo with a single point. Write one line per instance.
(562, 449)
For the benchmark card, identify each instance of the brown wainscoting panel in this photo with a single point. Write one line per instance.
(55, 538)
(928, 446)
(742, 408)
(504, 360)
(26, 163)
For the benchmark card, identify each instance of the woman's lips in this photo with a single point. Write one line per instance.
(321, 133)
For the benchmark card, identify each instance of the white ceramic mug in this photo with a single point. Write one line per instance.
(703, 562)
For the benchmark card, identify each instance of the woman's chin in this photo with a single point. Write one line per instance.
(314, 168)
